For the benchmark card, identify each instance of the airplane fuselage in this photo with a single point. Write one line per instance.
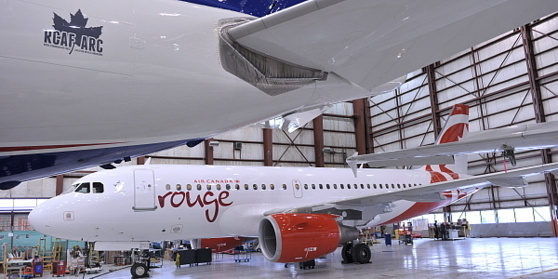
(151, 202)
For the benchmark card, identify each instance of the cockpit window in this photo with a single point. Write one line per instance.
(87, 187)
(98, 187)
(83, 188)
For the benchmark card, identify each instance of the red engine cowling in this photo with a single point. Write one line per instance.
(220, 244)
(293, 237)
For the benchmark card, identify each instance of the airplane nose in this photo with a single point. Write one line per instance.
(38, 221)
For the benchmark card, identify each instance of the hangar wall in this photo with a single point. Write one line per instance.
(509, 80)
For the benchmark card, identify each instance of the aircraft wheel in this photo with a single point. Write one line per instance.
(139, 270)
(361, 253)
(346, 253)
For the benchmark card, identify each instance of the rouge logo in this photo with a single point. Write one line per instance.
(209, 199)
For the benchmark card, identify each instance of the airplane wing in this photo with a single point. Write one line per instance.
(480, 181)
(432, 192)
(524, 137)
(371, 42)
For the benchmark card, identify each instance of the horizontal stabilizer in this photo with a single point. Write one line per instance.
(518, 137)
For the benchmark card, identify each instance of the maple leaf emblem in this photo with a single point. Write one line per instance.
(77, 26)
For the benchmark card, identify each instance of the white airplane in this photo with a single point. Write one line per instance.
(298, 214)
(88, 83)
(507, 140)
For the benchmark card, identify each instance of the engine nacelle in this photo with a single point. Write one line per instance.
(293, 237)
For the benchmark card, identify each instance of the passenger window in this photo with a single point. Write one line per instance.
(368, 186)
(208, 187)
(272, 187)
(228, 187)
(284, 186)
(375, 186)
(246, 187)
(321, 186)
(334, 186)
(297, 186)
(237, 187)
(98, 187)
(255, 187)
(348, 186)
(178, 187)
(381, 186)
(327, 186)
(398, 186)
(198, 187)
(305, 186)
(263, 187)
(167, 187)
(342, 186)
(313, 186)
(189, 187)
(83, 188)
(361, 186)
(218, 187)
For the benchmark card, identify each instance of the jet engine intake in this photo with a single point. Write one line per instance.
(297, 237)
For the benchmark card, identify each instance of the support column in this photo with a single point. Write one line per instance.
(140, 160)
(433, 93)
(267, 146)
(540, 116)
(208, 151)
(318, 124)
(360, 126)
(59, 184)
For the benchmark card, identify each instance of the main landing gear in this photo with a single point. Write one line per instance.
(356, 253)
(139, 270)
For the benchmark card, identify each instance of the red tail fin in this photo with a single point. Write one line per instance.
(454, 130)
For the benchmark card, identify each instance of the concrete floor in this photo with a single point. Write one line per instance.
(470, 258)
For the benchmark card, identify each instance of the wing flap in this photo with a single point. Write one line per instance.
(373, 42)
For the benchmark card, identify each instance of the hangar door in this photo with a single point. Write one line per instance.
(144, 190)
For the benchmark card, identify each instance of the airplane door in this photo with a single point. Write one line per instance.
(144, 190)
(297, 189)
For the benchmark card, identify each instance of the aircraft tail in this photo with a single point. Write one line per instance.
(456, 127)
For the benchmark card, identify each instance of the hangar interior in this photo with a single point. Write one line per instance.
(511, 79)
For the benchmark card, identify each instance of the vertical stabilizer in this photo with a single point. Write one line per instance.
(456, 127)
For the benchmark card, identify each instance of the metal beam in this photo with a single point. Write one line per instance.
(318, 124)
(59, 184)
(535, 88)
(433, 93)
(208, 152)
(360, 125)
(267, 146)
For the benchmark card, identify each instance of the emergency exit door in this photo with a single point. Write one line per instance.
(144, 190)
